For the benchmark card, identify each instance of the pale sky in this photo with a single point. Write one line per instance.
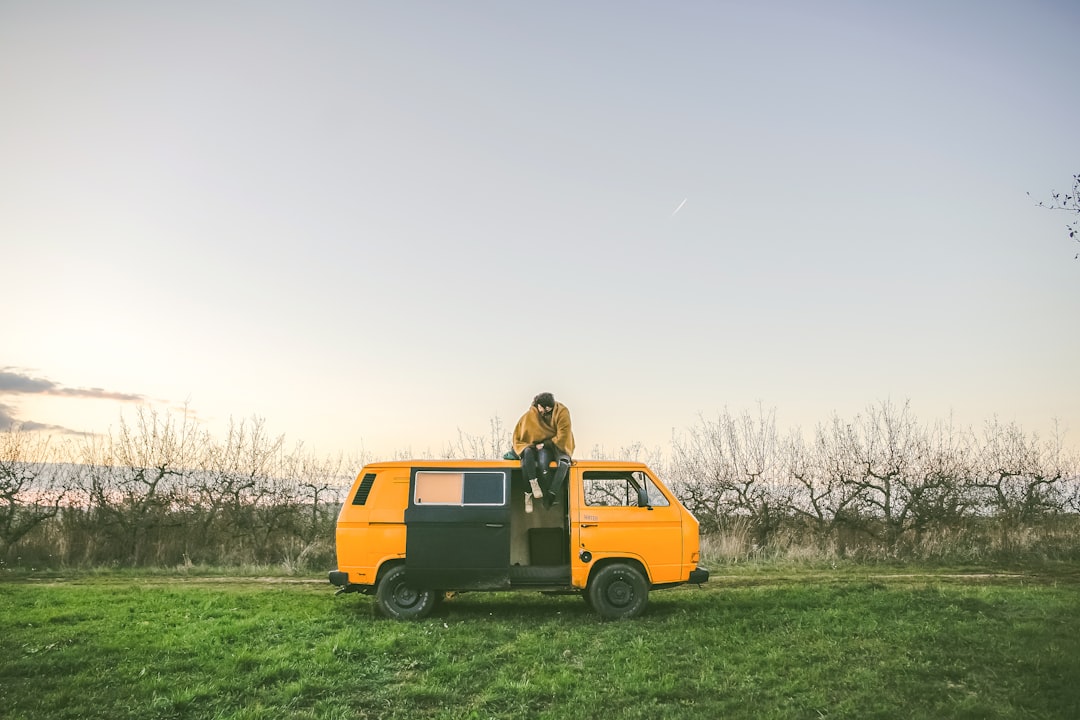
(377, 224)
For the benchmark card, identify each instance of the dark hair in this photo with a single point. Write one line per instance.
(544, 399)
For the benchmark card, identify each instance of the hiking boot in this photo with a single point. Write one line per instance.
(528, 502)
(536, 491)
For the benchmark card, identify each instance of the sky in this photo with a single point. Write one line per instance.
(381, 226)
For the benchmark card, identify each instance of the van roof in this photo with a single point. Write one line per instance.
(585, 464)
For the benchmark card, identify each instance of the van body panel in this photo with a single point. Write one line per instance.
(381, 543)
(391, 497)
(622, 532)
(373, 532)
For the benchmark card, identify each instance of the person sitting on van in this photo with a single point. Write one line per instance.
(543, 434)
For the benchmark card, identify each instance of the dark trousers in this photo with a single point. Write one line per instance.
(534, 463)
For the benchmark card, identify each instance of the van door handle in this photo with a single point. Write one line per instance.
(585, 525)
(494, 524)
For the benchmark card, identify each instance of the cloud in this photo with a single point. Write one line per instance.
(8, 421)
(7, 418)
(16, 382)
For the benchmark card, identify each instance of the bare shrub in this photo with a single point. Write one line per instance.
(732, 544)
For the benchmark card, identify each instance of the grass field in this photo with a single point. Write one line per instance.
(756, 642)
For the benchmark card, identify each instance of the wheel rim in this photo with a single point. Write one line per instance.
(405, 596)
(620, 593)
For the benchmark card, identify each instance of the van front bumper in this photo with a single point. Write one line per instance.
(698, 575)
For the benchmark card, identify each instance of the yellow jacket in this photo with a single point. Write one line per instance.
(532, 429)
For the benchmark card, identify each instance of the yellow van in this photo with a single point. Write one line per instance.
(409, 531)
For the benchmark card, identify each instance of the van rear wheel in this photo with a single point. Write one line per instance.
(400, 601)
(618, 591)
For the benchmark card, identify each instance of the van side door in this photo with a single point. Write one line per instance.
(458, 529)
(623, 513)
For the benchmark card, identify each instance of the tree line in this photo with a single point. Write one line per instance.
(161, 491)
(882, 484)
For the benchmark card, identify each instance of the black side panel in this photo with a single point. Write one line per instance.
(457, 559)
(548, 546)
(461, 546)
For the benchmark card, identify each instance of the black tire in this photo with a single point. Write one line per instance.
(618, 591)
(399, 601)
(585, 597)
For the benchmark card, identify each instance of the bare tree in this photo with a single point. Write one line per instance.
(231, 474)
(891, 475)
(634, 452)
(31, 484)
(481, 447)
(838, 492)
(1068, 202)
(1020, 476)
(941, 494)
(812, 490)
(733, 466)
(135, 479)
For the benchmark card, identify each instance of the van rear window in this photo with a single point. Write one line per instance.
(432, 487)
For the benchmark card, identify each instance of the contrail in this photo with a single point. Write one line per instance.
(680, 206)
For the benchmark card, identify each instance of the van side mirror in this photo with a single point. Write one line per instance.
(643, 498)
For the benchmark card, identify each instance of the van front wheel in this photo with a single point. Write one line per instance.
(399, 601)
(618, 591)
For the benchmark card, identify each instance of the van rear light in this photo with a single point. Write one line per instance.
(695, 557)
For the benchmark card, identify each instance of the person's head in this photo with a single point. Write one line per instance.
(545, 403)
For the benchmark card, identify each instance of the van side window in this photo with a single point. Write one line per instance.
(433, 487)
(656, 498)
(620, 489)
(483, 488)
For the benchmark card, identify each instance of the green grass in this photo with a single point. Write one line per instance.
(758, 642)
